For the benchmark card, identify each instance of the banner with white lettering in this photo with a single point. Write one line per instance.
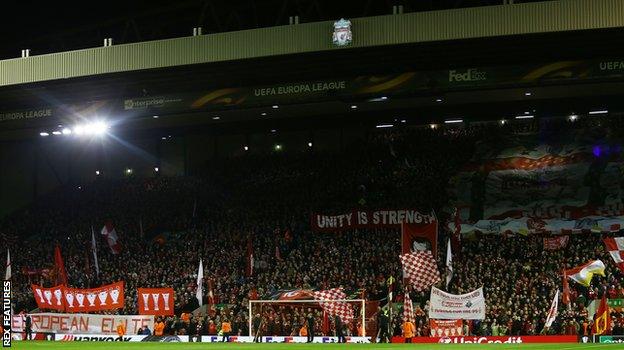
(155, 301)
(446, 306)
(370, 219)
(83, 323)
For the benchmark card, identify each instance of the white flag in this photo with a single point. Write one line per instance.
(94, 250)
(449, 264)
(552, 313)
(200, 282)
(7, 274)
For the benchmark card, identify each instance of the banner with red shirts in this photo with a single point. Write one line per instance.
(554, 243)
(49, 298)
(391, 218)
(155, 301)
(61, 298)
(446, 328)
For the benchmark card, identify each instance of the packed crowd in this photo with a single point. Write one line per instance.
(165, 225)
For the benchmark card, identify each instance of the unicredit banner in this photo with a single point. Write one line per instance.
(155, 301)
(61, 298)
(370, 219)
(493, 340)
(83, 323)
(446, 306)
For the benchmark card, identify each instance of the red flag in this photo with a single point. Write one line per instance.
(211, 299)
(602, 323)
(61, 274)
(419, 237)
(278, 254)
(566, 290)
(250, 258)
(420, 269)
(408, 308)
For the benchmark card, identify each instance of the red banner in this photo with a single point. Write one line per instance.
(155, 301)
(554, 243)
(49, 298)
(61, 298)
(419, 237)
(493, 340)
(370, 219)
(446, 328)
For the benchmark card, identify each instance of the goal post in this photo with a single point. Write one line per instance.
(362, 303)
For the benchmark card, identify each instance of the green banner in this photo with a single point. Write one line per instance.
(611, 339)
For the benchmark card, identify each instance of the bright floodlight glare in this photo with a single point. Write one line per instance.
(56, 132)
(604, 111)
(524, 116)
(309, 144)
(128, 171)
(246, 148)
(79, 130)
(278, 147)
(156, 169)
(503, 121)
(380, 126)
(353, 107)
(99, 128)
(453, 121)
(573, 117)
(433, 126)
(67, 131)
(97, 172)
(44, 134)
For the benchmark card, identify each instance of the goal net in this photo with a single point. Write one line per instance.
(288, 317)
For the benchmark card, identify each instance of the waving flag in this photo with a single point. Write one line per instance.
(602, 323)
(615, 247)
(109, 232)
(250, 258)
(421, 269)
(94, 251)
(340, 308)
(61, 273)
(200, 282)
(583, 274)
(449, 263)
(552, 313)
(7, 274)
(408, 308)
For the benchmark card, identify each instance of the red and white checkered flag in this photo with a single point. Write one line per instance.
(408, 308)
(615, 247)
(421, 269)
(340, 308)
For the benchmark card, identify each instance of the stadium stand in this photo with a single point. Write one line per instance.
(166, 224)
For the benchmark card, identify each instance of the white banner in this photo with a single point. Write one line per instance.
(83, 323)
(526, 226)
(445, 306)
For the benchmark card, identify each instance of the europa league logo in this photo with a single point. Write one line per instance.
(145, 300)
(91, 297)
(80, 298)
(155, 298)
(48, 296)
(69, 296)
(114, 293)
(58, 295)
(102, 296)
(40, 295)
